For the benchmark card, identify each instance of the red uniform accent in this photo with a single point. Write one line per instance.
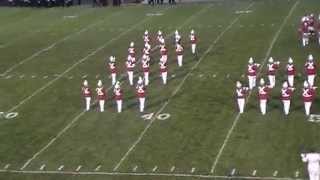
(263, 92)
(112, 67)
(141, 91)
(193, 39)
(101, 93)
(240, 93)
(146, 51)
(145, 65)
(86, 92)
(179, 51)
(130, 66)
(118, 94)
(146, 38)
(308, 94)
(252, 70)
(291, 70)
(310, 68)
(163, 51)
(163, 67)
(272, 68)
(286, 94)
(132, 51)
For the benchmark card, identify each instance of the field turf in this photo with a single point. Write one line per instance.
(47, 53)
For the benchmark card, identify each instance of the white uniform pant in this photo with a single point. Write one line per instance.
(101, 105)
(88, 101)
(193, 48)
(263, 106)
(291, 80)
(146, 78)
(252, 81)
(113, 78)
(310, 79)
(130, 76)
(241, 102)
(314, 175)
(119, 106)
(141, 103)
(180, 59)
(307, 106)
(305, 41)
(164, 77)
(286, 106)
(272, 80)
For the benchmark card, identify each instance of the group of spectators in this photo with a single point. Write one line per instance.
(41, 3)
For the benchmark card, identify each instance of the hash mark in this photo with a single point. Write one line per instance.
(97, 168)
(172, 168)
(45, 77)
(233, 172)
(8, 77)
(135, 168)
(33, 76)
(214, 75)
(6, 166)
(192, 170)
(85, 76)
(155, 168)
(275, 173)
(21, 76)
(254, 172)
(78, 168)
(42, 167)
(297, 174)
(61, 168)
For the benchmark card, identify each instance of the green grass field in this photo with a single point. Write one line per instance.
(46, 54)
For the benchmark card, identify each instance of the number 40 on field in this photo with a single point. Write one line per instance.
(149, 116)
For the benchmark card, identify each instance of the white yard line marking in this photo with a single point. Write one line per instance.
(78, 168)
(172, 168)
(275, 173)
(36, 54)
(42, 167)
(155, 169)
(45, 77)
(274, 39)
(61, 168)
(97, 168)
(174, 93)
(57, 78)
(147, 174)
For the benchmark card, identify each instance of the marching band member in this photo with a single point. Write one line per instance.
(140, 89)
(101, 95)
(252, 73)
(145, 67)
(118, 93)
(163, 71)
(272, 67)
(113, 69)
(263, 91)
(86, 92)
(130, 67)
(241, 96)
(286, 95)
(163, 53)
(179, 51)
(193, 40)
(308, 95)
(310, 69)
(291, 71)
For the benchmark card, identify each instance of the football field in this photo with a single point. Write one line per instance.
(191, 128)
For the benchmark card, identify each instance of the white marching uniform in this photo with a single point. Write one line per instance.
(145, 67)
(313, 160)
(130, 66)
(163, 71)
(179, 51)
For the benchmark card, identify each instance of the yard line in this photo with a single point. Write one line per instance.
(204, 176)
(83, 112)
(57, 78)
(175, 92)
(276, 36)
(54, 44)
(49, 83)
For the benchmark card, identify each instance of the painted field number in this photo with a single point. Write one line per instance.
(162, 116)
(10, 115)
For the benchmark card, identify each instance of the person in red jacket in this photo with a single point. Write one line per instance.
(101, 95)
(310, 69)
(263, 91)
(241, 93)
(286, 95)
(308, 95)
(118, 95)
(252, 72)
(86, 93)
(141, 94)
(113, 69)
(193, 41)
(272, 68)
(291, 71)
